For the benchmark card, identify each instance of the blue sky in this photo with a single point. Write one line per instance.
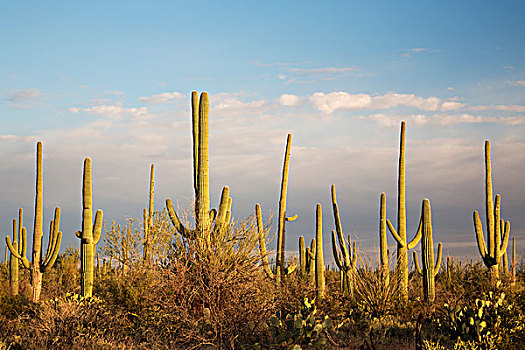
(113, 81)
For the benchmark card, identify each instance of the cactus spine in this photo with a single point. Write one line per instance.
(496, 247)
(430, 269)
(319, 261)
(383, 244)
(280, 257)
(347, 262)
(38, 266)
(401, 234)
(148, 218)
(90, 234)
(201, 179)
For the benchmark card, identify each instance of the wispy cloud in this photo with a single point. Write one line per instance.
(113, 111)
(518, 83)
(407, 53)
(333, 101)
(230, 104)
(23, 98)
(440, 120)
(165, 97)
(506, 108)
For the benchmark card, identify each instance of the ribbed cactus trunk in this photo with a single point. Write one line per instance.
(280, 259)
(148, 218)
(402, 258)
(430, 269)
(302, 257)
(497, 243)
(38, 233)
(319, 261)
(383, 244)
(202, 195)
(90, 234)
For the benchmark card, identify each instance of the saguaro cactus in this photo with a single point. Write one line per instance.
(19, 244)
(282, 219)
(148, 218)
(383, 244)
(201, 179)
(38, 266)
(90, 234)
(401, 234)
(319, 261)
(496, 247)
(347, 262)
(430, 269)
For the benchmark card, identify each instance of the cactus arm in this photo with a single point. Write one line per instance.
(437, 266)
(262, 243)
(53, 236)
(394, 233)
(353, 261)
(416, 263)
(50, 260)
(506, 236)
(175, 220)
(213, 214)
(14, 250)
(97, 227)
(416, 239)
(223, 207)
(291, 218)
(479, 236)
(336, 252)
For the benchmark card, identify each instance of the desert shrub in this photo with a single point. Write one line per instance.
(492, 322)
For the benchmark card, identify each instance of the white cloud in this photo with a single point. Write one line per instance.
(452, 105)
(165, 97)
(229, 104)
(333, 101)
(330, 102)
(506, 108)
(518, 83)
(113, 111)
(290, 100)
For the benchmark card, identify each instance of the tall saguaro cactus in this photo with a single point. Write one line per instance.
(401, 234)
(383, 244)
(38, 266)
(319, 261)
(90, 234)
(282, 219)
(148, 217)
(497, 244)
(348, 260)
(430, 269)
(204, 217)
